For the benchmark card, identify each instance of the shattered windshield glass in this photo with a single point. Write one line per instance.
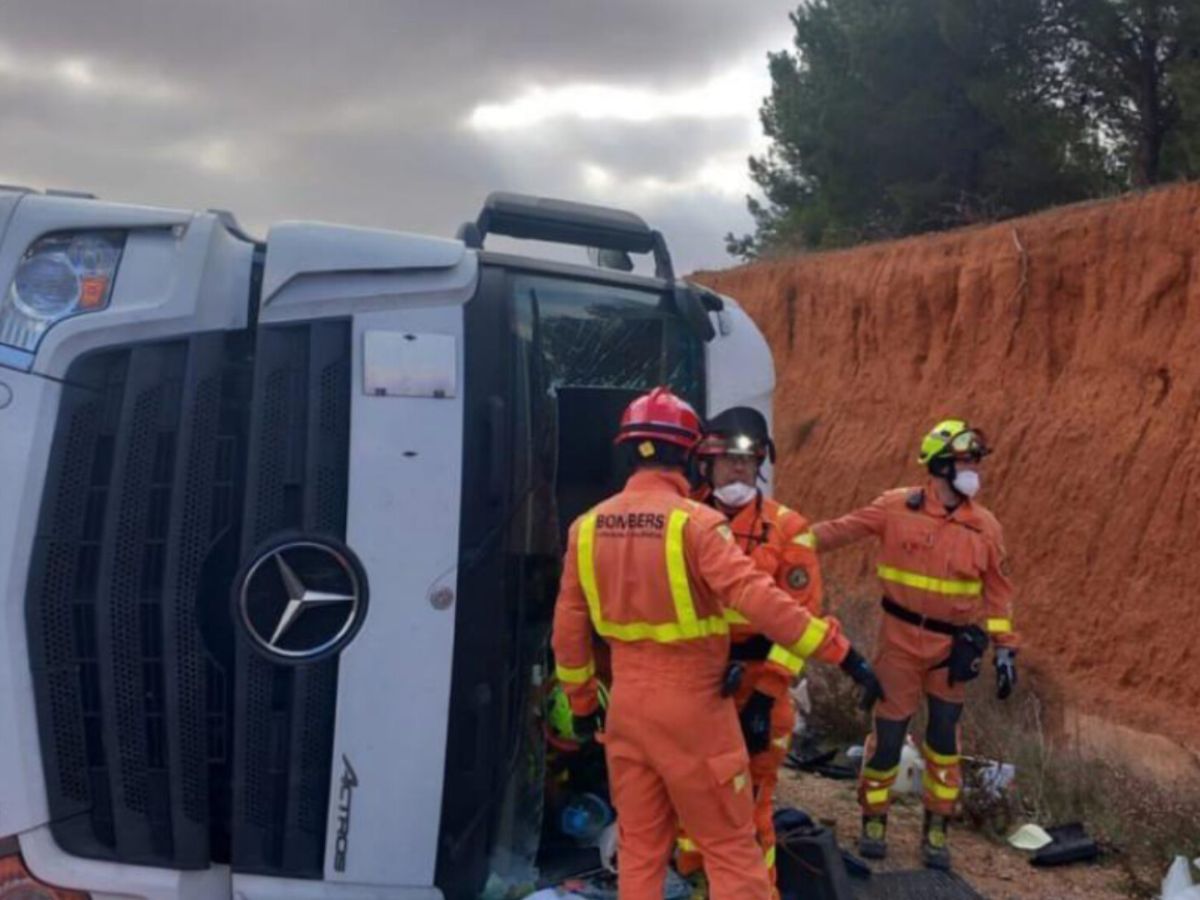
(598, 335)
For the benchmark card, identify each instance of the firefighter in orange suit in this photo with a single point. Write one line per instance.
(779, 542)
(946, 594)
(653, 573)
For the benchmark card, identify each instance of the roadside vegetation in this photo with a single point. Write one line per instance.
(891, 119)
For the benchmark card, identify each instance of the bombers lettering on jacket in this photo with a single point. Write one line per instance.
(654, 522)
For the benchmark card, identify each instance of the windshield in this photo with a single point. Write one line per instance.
(604, 336)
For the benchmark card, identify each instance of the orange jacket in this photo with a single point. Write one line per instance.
(948, 565)
(653, 573)
(779, 542)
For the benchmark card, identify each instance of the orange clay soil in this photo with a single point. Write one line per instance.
(1072, 338)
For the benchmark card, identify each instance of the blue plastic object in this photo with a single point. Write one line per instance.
(585, 816)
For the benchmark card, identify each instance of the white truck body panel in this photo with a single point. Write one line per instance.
(28, 425)
(740, 369)
(117, 881)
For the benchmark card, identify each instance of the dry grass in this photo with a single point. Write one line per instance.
(1143, 823)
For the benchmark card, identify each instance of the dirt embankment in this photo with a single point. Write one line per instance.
(1073, 339)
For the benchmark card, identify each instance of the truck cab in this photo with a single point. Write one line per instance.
(281, 529)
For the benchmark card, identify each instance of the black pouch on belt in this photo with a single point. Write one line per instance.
(966, 654)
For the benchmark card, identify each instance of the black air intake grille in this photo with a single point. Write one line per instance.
(137, 527)
(296, 482)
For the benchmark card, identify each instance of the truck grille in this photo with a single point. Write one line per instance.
(296, 482)
(166, 741)
(136, 542)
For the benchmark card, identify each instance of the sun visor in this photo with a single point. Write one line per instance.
(333, 266)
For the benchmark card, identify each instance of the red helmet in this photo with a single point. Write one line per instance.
(660, 416)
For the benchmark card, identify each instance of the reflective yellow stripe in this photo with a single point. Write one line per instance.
(939, 790)
(929, 583)
(687, 625)
(686, 845)
(733, 617)
(783, 742)
(811, 640)
(587, 567)
(681, 591)
(769, 857)
(791, 662)
(942, 759)
(999, 626)
(880, 774)
(579, 675)
(808, 539)
(874, 798)
(661, 632)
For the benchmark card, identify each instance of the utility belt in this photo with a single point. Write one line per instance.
(966, 651)
(904, 614)
(754, 649)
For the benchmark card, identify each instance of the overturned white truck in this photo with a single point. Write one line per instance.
(281, 528)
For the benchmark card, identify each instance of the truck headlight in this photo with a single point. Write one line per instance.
(61, 275)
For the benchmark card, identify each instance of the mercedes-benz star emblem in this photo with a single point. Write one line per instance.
(302, 599)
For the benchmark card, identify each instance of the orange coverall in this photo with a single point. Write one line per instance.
(653, 572)
(779, 542)
(949, 565)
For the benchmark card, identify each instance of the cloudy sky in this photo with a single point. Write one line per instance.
(393, 113)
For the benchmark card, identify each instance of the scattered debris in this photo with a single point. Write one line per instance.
(1178, 884)
(553, 894)
(603, 886)
(808, 861)
(1030, 837)
(810, 755)
(912, 767)
(607, 845)
(993, 777)
(1070, 844)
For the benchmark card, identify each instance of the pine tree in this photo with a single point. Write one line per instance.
(898, 116)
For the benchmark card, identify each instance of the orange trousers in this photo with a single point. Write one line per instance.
(909, 662)
(764, 776)
(676, 755)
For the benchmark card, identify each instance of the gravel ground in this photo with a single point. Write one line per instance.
(995, 870)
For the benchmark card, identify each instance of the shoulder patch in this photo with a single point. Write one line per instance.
(725, 532)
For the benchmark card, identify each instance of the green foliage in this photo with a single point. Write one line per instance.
(898, 116)
(1136, 66)
(891, 117)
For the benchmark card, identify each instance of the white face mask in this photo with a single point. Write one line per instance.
(735, 494)
(967, 483)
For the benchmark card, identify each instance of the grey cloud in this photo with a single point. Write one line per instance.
(354, 111)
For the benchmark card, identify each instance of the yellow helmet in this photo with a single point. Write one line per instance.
(953, 437)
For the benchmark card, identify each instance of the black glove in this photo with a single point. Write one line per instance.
(860, 670)
(585, 727)
(755, 718)
(1006, 671)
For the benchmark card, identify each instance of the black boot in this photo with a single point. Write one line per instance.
(873, 842)
(934, 850)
